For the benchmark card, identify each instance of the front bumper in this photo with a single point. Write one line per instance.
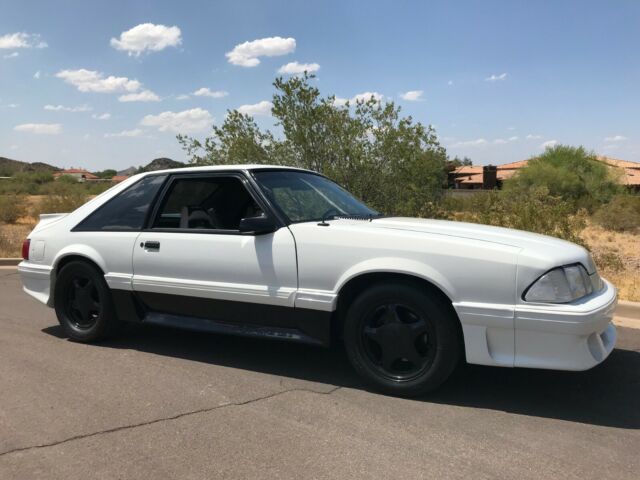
(574, 336)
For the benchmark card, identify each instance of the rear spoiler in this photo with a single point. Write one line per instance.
(48, 218)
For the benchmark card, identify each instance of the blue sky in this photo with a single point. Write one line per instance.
(499, 79)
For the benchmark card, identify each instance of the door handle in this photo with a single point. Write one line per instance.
(151, 245)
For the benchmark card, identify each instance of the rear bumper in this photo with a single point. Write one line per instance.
(36, 280)
(575, 336)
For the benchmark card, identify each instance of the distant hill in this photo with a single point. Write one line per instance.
(161, 164)
(127, 172)
(9, 167)
(157, 164)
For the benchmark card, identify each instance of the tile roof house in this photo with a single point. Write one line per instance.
(488, 177)
(80, 174)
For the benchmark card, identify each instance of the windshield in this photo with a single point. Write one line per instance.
(305, 197)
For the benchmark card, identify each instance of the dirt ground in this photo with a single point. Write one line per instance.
(616, 254)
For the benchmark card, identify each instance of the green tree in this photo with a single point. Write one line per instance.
(389, 161)
(108, 173)
(238, 140)
(571, 173)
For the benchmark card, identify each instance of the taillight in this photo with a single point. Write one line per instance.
(25, 249)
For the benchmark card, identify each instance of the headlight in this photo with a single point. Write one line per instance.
(560, 285)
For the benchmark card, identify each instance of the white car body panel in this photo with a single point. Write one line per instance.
(255, 269)
(482, 270)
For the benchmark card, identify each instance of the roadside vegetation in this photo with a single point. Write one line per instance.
(397, 166)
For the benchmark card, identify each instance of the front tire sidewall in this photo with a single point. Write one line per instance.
(432, 309)
(106, 323)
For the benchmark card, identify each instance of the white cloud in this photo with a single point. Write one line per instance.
(339, 101)
(62, 108)
(143, 96)
(101, 116)
(36, 75)
(12, 55)
(14, 147)
(194, 120)
(295, 68)
(10, 105)
(136, 132)
(40, 128)
(500, 141)
(182, 97)
(471, 143)
(260, 108)
(205, 92)
(495, 78)
(615, 138)
(450, 82)
(549, 144)
(21, 40)
(514, 138)
(147, 36)
(92, 81)
(247, 54)
(531, 136)
(511, 129)
(360, 97)
(366, 96)
(412, 95)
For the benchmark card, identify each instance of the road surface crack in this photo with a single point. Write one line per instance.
(166, 419)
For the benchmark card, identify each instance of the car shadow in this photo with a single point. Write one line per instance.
(606, 395)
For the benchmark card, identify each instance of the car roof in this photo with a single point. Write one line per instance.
(224, 168)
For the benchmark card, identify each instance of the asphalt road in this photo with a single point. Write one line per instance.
(161, 403)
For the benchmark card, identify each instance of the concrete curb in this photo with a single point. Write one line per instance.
(9, 262)
(628, 309)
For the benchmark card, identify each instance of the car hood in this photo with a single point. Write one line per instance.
(532, 244)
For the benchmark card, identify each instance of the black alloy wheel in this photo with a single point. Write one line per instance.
(83, 302)
(399, 341)
(402, 338)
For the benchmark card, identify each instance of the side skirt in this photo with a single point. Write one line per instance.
(222, 316)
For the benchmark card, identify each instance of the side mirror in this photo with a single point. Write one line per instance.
(257, 225)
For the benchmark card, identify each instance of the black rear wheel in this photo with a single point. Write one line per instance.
(83, 303)
(401, 339)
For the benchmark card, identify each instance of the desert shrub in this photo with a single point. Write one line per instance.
(59, 203)
(12, 207)
(621, 214)
(608, 261)
(571, 173)
(533, 210)
(25, 183)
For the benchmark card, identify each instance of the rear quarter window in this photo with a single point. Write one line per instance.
(127, 210)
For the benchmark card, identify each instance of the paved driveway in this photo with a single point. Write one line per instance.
(161, 403)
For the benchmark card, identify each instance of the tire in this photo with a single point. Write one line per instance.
(83, 303)
(401, 339)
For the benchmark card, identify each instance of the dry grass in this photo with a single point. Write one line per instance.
(618, 258)
(11, 237)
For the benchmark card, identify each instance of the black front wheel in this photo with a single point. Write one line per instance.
(401, 339)
(83, 303)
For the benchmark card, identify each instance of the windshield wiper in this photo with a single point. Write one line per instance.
(349, 216)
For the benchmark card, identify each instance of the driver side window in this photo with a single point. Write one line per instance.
(206, 203)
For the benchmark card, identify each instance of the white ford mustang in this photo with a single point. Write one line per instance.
(286, 253)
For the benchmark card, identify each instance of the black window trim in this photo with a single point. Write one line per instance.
(241, 175)
(77, 227)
